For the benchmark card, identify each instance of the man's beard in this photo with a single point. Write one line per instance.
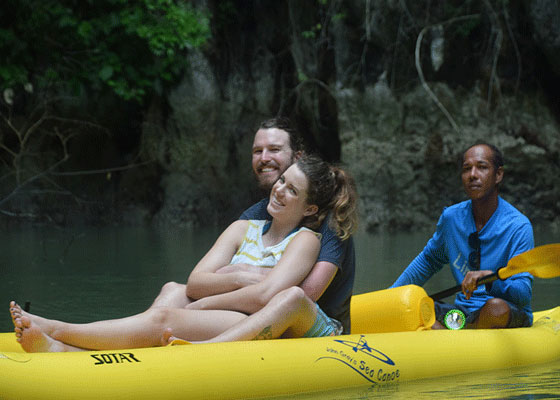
(266, 187)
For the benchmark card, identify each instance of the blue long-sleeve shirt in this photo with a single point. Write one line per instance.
(506, 234)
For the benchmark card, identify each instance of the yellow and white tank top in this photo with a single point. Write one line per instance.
(253, 252)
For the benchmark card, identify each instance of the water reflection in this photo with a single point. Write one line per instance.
(524, 383)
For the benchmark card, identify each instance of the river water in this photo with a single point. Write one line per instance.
(86, 274)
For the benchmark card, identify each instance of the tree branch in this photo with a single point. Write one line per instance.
(421, 73)
(101, 171)
(515, 47)
(496, 52)
(33, 179)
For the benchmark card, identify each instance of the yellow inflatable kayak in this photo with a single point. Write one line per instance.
(374, 354)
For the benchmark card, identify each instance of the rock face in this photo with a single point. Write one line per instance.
(365, 91)
(407, 175)
(395, 91)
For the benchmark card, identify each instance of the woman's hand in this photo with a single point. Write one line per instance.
(469, 284)
(245, 279)
(245, 274)
(243, 268)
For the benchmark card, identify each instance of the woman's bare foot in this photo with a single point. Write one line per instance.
(46, 325)
(33, 340)
(15, 311)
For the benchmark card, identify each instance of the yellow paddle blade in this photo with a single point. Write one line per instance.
(542, 262)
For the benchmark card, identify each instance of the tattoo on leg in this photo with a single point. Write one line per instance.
(266, 333)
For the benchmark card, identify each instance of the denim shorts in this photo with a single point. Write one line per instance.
(517, 317)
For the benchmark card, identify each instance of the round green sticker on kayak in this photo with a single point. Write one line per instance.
(454, 319)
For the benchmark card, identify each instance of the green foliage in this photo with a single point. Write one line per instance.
(326, 13)
(312, 33)
(302, 77)
(133, 48)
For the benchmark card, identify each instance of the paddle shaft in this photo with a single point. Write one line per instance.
(448, 292)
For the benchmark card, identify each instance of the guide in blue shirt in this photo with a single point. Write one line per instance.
(476, 237)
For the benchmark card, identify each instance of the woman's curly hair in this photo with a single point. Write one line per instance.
(333, 190)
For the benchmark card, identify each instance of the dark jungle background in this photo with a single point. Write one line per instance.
(143, 113)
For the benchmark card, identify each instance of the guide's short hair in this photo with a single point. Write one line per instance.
(497, 156)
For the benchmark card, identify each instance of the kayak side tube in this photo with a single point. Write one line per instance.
(256, 369)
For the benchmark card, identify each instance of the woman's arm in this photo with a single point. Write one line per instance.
(205, 280)
(296, 263)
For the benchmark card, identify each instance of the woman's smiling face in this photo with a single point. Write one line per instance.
(288, 196)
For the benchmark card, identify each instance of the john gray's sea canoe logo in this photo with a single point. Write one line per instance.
(363, 359)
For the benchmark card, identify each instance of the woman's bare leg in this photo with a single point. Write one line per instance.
(173, 295)
(141, 330)
(288, 314)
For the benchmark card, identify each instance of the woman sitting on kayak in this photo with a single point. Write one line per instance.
(299, 201)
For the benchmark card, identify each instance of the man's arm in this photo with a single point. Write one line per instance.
(518, 288)
(432, 259)
(319, 279)
(420, 269)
